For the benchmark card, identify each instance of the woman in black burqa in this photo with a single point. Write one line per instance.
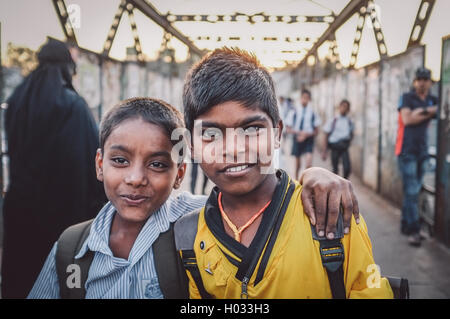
(52, 139)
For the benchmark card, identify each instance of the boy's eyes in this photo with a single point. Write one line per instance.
(158, 165)
(214, 133)
(251, 130)
(119, 160)
(211, 133)
(155, 164)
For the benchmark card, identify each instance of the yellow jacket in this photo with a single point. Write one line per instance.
(294, 268)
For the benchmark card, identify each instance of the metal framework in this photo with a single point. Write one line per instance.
(376, 26)
(333, 52)
(113, 30)
(147, 9)
(242, 17)
(137, 42)
(363, 7)
(368, 11)
(129, 5)
(423, 15)
(350, 9)
(358, 35)
(63, 17)
(124, 6)
(252, 38)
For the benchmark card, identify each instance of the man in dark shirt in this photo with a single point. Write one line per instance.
(416, 109)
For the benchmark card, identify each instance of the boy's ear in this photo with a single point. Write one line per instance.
(99, 165)
(180, 175)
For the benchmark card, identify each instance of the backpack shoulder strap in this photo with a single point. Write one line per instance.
(169, 268)
(332, 255)
(69, 244)
(186, 230)
(352, 127)
(333, 126)
(185, 233)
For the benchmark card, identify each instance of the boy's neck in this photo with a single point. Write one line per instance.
(246, 205)
(122, 236)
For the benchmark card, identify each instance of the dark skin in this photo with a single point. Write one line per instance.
(134, 161)
(246, 191)
(138, 174)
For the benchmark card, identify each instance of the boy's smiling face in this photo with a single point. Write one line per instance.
(233, 144)
(137, 169)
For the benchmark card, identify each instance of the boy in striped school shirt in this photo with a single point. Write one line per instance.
(138, 172)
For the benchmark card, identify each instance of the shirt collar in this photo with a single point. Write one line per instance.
(98, 239)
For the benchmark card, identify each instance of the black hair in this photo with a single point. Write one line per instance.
(346, 102)
(228, 74)
(57, 54)
(150, 110)
(305, 91)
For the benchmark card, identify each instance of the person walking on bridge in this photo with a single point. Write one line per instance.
(303, 124)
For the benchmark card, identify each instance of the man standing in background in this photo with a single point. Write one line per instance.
(416, 108)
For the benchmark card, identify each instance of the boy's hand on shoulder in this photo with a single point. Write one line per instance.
(322, 189)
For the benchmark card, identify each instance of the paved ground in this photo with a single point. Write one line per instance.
(427, 268)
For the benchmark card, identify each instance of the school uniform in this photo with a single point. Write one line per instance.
(113, 277)
(289, 265)
(340, 130)
(303, 119)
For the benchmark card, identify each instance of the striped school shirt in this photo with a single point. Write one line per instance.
(113, 277)
(311, 119)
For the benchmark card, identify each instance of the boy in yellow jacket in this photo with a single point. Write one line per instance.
(251, 240)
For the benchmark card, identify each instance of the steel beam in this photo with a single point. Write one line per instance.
(137, 42)
(63, 16)
(113, 30)
(358, 35)
(379, 36)
(150, 11)
(254, 18)
(423, 15)
(350, 9)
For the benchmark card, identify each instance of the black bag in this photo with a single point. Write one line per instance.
(172, 278)
(341, 145)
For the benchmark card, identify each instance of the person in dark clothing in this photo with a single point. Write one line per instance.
(338, 135)
(52, 139)
(415, 111)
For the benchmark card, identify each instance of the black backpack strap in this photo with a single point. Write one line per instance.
(313, 117)
(332, 255)
(69, 244)
(185, 233)
(171, 275)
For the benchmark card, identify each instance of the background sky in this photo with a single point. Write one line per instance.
(28, 22)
